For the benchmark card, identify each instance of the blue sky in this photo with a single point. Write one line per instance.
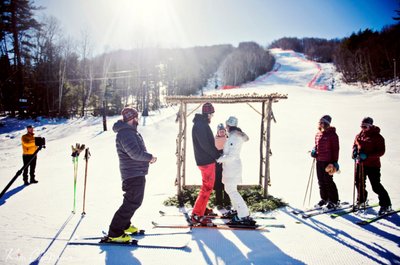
(114, 24)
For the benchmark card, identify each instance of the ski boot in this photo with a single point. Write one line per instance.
(124, 238)
(331, 206)
(209, 212)
(201, 220)
(133, 231)
(229, 214)
(245, 221)
(360, 206)
(384, 209)
(320, 204)
(34, 181)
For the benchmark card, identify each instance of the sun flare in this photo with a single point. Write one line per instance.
(150, 22)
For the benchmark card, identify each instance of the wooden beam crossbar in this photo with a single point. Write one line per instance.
(226, 99)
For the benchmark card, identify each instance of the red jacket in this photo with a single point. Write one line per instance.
(327, 145)
(372, 144)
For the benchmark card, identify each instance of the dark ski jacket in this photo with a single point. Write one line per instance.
(133, 156)
(372, 144)
(327, 145)
(204, 148)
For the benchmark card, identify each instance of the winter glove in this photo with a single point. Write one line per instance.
(77, 149)
(362, 156)
(355, 152)
(330, 169)
(336, 165)
(314, 153)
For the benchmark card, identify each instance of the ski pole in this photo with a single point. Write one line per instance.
(363, 185)
(311, 184)
(308, 183)
(75, 158)
(355, 182)
(19, 172)
(75, 161)
(87, 156)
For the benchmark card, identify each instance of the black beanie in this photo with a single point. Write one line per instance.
(368, 120)
(326, 119)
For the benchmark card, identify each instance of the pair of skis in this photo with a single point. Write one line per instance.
(220, 225)
(368, 220)
(352, 210)
(378, 217)
(171, 240)
(320, 210)
(216, 216)
(344, 210)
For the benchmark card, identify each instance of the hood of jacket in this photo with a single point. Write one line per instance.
(239, 133)
(373, 130)
(330, 130)
(200, 118)
(121, 125)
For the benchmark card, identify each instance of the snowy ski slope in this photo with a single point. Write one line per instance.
(36, 220)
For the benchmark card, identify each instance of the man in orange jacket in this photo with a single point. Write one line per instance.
(28, 149)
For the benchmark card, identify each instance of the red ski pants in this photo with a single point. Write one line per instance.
(208, 179)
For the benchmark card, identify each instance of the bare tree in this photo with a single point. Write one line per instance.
(85, 49)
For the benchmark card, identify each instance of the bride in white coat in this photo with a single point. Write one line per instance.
(232, 170)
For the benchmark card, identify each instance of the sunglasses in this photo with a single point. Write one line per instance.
(364, 126)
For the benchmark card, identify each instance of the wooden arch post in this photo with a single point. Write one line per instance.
(181, 147)
(267, 178)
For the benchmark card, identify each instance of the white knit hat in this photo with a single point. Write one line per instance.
(232, 121)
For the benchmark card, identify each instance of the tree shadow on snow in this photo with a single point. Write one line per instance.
(346, 239)
(226, 252)
(11, 193)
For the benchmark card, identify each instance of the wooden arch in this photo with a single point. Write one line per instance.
(265, 132)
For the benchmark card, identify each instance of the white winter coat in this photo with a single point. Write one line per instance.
(231, 162)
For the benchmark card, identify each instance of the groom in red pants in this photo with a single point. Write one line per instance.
(205, 154)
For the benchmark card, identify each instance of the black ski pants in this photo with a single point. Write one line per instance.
(374, 176)
(221, 197)
(31, 167)
(133, 197)
(327, 188)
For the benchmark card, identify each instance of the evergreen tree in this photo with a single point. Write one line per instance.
(17, 22)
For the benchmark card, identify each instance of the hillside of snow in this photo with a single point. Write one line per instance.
(37, 222)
